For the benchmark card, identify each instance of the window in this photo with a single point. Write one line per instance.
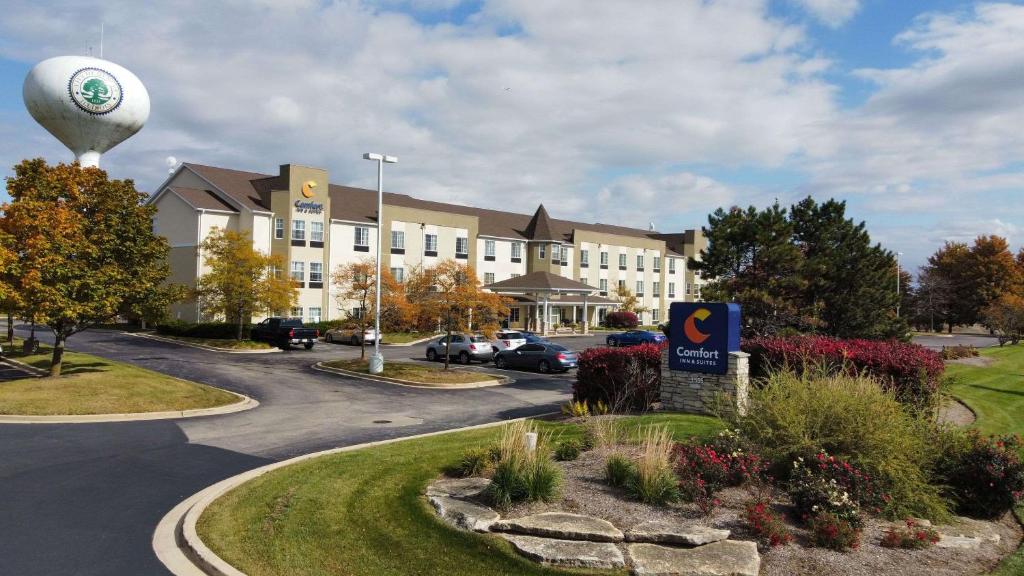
(298, 229)
(689, 289)
(604, 286)
(584, 258)
(488, 278)
(297, 312)
(601, 313)
(622, 261)
(565, 254)
(654, 315)
(604, 260)
(639, 287)
(657, 263)
(622, 284)
(461, 246)
(279, 228)
(489, 249)
(316, 272)
(513, 314)
(517, 252)
(514, 275)
(362, 236)
(397, 240)
(357, 313)
(398, 274)
(430, 244)
(671, 265)
(671, 289)
(299, 272)
(656, 289)
(640, 262)
(541, 251)
(316, 232)
(555, 253)
(314, 314)
(583, 280)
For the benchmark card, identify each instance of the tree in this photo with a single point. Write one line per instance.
(451, 292)
(85, 247)
(628, 302)
(992, 272)
(358, 284)
(952, 263)
(241, 280)
(1006, 316)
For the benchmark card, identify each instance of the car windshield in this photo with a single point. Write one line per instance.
(558, 348)
(478, 339)
(291, 322)
(512, 336)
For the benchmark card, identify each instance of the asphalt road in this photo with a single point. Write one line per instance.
(84, 499)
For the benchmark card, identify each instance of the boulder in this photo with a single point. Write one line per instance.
(725, 558)
(562, 525)
(458, 487)
(464, 515)
(966, 533)
(567, 553)
(661, 532)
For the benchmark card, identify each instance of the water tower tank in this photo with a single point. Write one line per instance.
(89, 104)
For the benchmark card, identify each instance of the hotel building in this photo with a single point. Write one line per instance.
(317, 226)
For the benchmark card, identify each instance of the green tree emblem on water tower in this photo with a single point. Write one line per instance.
(95, 91)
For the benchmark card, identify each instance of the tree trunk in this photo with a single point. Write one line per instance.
(58, 354)
(10, 326)
(241, 323)
(447, 341)
(362, 343)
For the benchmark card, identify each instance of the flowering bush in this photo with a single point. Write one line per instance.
(814, 492)
(984, 475)
(621, 320)
(913, 372)
(830, 531)
(705, 469)
(766, 523)
(914, 536)
(621, 378)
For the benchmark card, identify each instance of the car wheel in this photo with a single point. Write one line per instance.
(329, 339)
(612, 342)
(431, 355)
(499, 362)
(308, 345)
(355, 340)
(544, 366)
(463, 357)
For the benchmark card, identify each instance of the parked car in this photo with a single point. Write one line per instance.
(507, 340)
(634, 337)
(464, 347)
(353, 336)
(532, 338)
(284, 332)
(543, 357)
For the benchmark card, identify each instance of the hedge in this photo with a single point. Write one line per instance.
(621, 320)
(912, 371)
(623, 378)
(222, 330)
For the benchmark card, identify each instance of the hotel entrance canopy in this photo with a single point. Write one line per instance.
(545, 289)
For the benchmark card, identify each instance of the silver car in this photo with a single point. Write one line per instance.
(350, 335)
(464, 347)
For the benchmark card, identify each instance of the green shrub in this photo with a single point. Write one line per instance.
(215, 330)
(653, 481)
(834, 533)
(568, 450)
(521, 474)
(853, 419)
(475, 462)
(983, 476)
(617, 470)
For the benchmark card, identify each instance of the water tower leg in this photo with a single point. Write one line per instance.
(89, 159)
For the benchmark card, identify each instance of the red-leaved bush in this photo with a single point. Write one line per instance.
(913, 372)
(622, 378)
(621, 320)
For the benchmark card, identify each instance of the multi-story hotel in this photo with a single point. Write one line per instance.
(316, 226)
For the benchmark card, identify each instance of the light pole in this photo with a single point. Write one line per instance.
(377, 360)
(898, 254)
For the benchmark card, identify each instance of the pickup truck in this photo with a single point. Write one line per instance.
(284, 332)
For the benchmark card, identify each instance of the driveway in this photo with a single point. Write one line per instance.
(937, 341)
(84, 499)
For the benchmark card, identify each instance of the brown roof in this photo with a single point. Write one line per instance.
(204, 199)
(360, 205)
(566, 299)
(539, 227)
(541, 281)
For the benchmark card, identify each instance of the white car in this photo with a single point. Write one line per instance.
(350, 335)
(507, 340)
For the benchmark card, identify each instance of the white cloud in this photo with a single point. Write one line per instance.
(832, 13)
(637, 200)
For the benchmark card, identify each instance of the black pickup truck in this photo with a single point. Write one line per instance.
(284, 332)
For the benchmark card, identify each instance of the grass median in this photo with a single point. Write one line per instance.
(362, 513)
(426, 374)
(93, 385)
(223, 343)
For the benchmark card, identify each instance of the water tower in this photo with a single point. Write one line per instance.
(89, 104)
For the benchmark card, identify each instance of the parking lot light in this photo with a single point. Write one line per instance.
(377, 360)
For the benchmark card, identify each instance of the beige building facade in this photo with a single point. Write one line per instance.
(317, 226)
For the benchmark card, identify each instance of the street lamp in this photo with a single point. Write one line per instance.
(898, 254)
(377, 360)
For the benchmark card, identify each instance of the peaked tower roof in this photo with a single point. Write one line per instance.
(540, 227)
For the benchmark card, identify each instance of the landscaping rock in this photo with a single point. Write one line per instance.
(458, 487)
(966, 533)
(725, 558)
(567, 553)
(464, 515)
(661, 532)
(562, 525)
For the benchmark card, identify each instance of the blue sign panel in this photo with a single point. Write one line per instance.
(701, 335)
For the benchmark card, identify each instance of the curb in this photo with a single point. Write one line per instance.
(199, 346)
(410, 384)
(245, 403)
(413, 343)
(176, 541)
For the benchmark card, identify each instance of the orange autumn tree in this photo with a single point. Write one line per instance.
(357, 284)
(452, 293)
(1006, 317)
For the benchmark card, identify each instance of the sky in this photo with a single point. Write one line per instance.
(626, 112)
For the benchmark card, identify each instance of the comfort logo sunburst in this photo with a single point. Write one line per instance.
(690, 326)
(307, 188)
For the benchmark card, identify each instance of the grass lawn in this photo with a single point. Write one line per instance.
(419, 373)
(227, 343)
(93, 385)
(405, 337)
(996, 394)
(362, 512)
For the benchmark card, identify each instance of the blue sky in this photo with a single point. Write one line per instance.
(627, 112)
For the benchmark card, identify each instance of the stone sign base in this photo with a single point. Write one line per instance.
(697, 393)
